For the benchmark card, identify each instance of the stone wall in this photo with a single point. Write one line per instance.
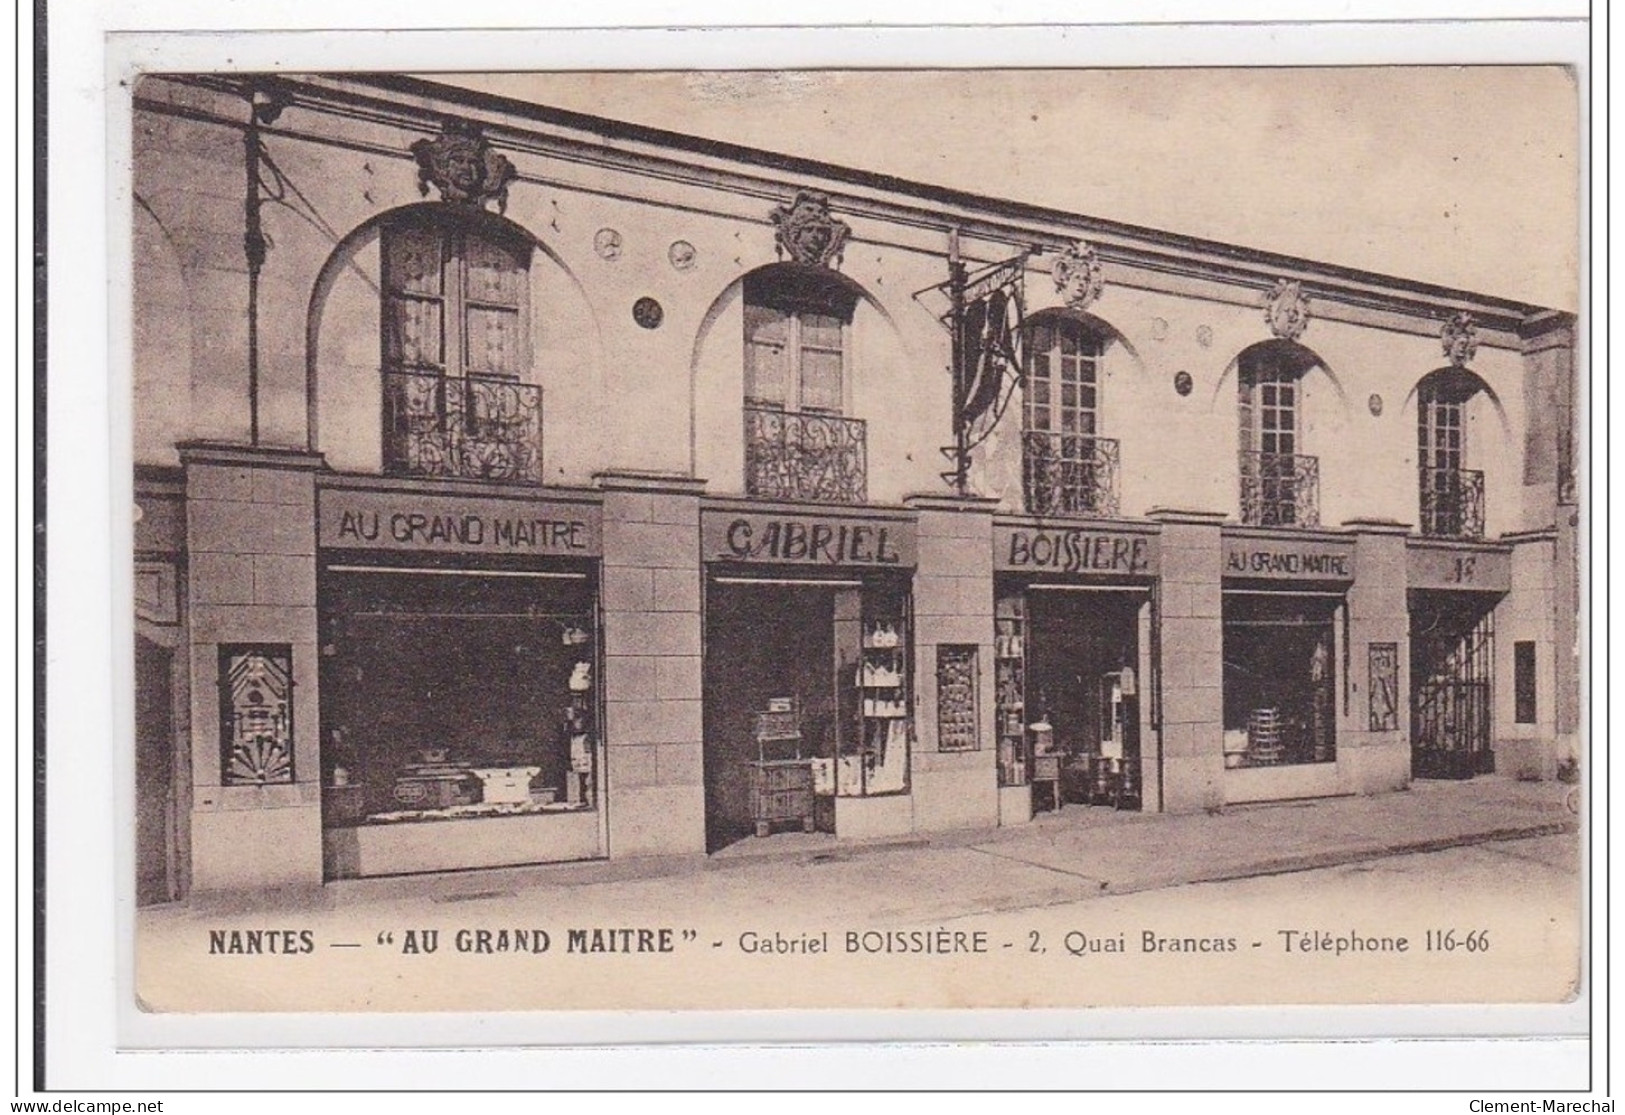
(251, 544)
(653, 727)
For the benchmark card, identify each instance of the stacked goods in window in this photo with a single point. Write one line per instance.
(1264, 737)
(436, 780)
(882, 678)
(1009, 652)
(578, 722)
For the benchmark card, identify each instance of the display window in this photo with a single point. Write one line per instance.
(808, 689)
(1280, 679)
(457, 695)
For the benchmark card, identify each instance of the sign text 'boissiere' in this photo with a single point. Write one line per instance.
(1074, 551)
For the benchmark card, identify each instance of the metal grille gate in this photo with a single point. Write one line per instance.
(1450, 696)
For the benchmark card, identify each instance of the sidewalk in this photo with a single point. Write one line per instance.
(1077, 854)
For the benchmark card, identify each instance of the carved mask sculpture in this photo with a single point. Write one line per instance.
(1079, 277)
(807, 232)
(1459, 339)
(1286, 310)
(463, 167)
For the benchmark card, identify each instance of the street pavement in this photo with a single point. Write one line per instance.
(735, 918)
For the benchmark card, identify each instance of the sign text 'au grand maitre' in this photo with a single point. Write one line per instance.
(376, 520)
(1300, 561)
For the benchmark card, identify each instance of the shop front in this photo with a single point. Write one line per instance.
(1073, 616)
(460, 704)
(1452, 589)
(1285, 619)
(808, 675)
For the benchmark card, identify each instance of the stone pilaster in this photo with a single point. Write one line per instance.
(953, 604)
(1566, 625)
(653, 722)
(1528, 614)
(1190, 755)
(251, 546)
(1371, 759)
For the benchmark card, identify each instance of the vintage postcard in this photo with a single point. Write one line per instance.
(855, 539)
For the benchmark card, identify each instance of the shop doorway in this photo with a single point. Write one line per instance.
(1083, 693)
(770, 696)
(1452, 652)
(806, 687)
(155, 836)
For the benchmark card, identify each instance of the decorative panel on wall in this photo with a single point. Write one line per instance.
(957, 728)
(1384, 686)
(256, 714)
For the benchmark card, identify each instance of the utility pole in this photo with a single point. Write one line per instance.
(957, 356)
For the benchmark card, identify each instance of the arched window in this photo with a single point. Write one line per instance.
(798, 445)
(1280, 484)
(455, 300)
(1067, 468)
(796, 326)
(456, 344)
(1063, 385)
(1452, 495)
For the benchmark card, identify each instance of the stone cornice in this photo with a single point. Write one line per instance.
(415, 104)
(243, 454)
(666, 483)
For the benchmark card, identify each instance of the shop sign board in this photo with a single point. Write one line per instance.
(1288, 560)
(1458, 568)
(367, 520)
(1074, 551)
(790, 538)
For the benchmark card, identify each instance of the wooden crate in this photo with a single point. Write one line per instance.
(781, 791)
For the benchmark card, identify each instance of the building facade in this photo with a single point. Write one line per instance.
(515, 486)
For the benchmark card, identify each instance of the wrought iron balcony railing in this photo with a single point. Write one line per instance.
(1280, 490)
(1068, 474)
(1452, 502)
(802, 456)
(465, 426)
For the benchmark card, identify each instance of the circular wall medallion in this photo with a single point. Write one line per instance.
(1204, 335)
(607, 243)
(1183, 383)
(682, 255)
(1159, 329)
(1375, 403)
(648, 313)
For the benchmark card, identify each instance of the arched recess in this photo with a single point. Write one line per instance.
(161, 333)
(1038, 436)
(1293, 358)
(1110, 335)
(344, 345)
(875, 367)
(1462, 385)
(1454, 413)
(1291, 414)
